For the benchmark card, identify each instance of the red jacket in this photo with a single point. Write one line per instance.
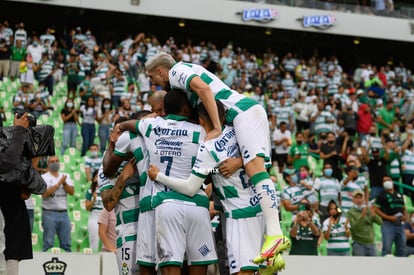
(364, 122)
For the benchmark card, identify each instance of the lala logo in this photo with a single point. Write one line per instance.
(259, 15)
(321, 22)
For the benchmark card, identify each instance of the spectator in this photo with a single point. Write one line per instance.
(385, 118)
(376, 168)
(18, 53)
(336, 231)
(390, 207)
(332, 152)
(72, 70)
(38, 106)
(322, 120)
(361, 219)
(70, 118)
(364, 122)
(93, 203)
(5, 53)
(328, 189)
(117, 87)
(46, 69)
(348, 186)
(409, 234)
(298, 152)
(292, 193)
(282, 139)
(92, 162)
(55, 219)
(304, 233)
(407, 166)
(22, 99)
(88, 128)
(27, 70)
(107, 234)
(105, 118)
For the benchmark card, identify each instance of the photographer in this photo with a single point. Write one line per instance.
(304, 232)
(336, 231)
(17, 232)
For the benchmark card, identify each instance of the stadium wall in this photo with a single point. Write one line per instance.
(105, 264)
(279, 17)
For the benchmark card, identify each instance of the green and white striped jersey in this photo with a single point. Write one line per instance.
(408, 161)
(46, 69)
(172, 143)
(118, 86)
(320, 124)
(181, 75)
(293, 193)
(347, 192)
(328, 189)
(338, 241)
(236, 192)
(126, 210)
(132, 143)
(93, 163)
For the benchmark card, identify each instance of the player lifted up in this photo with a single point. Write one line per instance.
(250, 123)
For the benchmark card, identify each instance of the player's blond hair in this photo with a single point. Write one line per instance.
(162, 59)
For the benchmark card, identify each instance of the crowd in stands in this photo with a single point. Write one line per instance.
(342, 150)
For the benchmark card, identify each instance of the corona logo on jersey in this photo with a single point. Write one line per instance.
(318, 21)
(54, 267)
(259, 15)
(170, 132)
(220, 144)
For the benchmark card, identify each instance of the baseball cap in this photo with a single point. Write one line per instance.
(357, 192)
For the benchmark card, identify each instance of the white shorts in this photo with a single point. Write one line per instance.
(146, 238)
(183, 229)
(253, 135)
(244, 240)
(126, 255)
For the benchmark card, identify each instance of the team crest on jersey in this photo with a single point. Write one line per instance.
(124, 269)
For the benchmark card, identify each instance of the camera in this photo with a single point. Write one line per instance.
(32, 119)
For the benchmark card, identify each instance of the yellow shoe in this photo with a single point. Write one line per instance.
(274, 264)
(272, 246)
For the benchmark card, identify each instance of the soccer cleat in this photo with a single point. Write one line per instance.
(272, 246)
(274, 264)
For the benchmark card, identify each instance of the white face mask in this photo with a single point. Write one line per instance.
(388, 185)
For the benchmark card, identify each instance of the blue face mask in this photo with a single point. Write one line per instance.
(294, 178)
(328, 172)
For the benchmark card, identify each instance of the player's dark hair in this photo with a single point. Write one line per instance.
(140, 114)
(175, 102)
(202, 113)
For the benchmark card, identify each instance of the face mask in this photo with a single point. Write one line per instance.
(412, 219)
(294, 178)
(107, 106)
(137, 108)
(372, 134)
(360, 207)
(328, 172)
(94, 154)
(388, 185)
(298, 142)
(35, 44)
(54, 166)
(69, 104)
(303, 175)
(331, 141)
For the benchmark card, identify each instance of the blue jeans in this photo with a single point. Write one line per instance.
(70, 131)
(31, 218)
(375, 191)
(53, 223)
(359, 249)
(88, 136)
(393, 233)
(103, 136)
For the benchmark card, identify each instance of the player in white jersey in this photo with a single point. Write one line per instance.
(251, 126)
(182, 222)
(237, 195)
(121, 194)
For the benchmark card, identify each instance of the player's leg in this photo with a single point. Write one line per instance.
(146, 243)
(255, 150)
(126, 255)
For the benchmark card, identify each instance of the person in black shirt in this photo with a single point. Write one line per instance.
(390, 207)
(18, 238)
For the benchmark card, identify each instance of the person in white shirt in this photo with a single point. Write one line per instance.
(282, 138)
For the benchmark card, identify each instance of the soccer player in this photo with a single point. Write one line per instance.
(182, 222)
(237, 195)
(250, 123)
(121, 193)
